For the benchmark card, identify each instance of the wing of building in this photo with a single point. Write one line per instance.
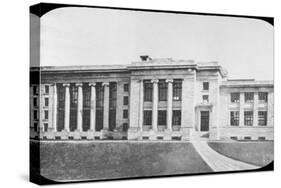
(152, 99)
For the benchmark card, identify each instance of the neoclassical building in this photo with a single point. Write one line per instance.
(152, 99)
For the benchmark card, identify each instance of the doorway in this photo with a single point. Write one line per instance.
(204, 123)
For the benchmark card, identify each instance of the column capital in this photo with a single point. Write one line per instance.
(79, 84)
(53, 84)
(92, 84)
(154, 81)
(66, 84)
(169, 80)
(105, 84)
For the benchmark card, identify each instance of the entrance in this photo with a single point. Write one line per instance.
(204, 121)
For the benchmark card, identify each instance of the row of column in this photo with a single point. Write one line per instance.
(155, 104)
(80, 107)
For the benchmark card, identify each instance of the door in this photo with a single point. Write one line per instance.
(204, 121)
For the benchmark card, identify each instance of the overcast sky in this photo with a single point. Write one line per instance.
(91, 36)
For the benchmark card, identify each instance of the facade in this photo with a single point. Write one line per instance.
(152, 99)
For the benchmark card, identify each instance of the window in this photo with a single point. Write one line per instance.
(247, 138)
(125, 126)
(35, 115)
(125, 100)
(147, 117)
(35, 90)
(46, 114)
(126, 87)
(235, 97)
(262, 96)
(112, 119)
(262, 118)
(205, 86)
(45, 127)
(176, 120)
(177, 90)
(249, 97)
(35, 102)
(162, 117)
(162, 87)
(148, 87)
(248, 118)
(112, 94)
(35, 126)
(46, 101)
(205, 98)
(234, 118)
(261, 138)
(46, 89)
(125, 114)
(234, 138)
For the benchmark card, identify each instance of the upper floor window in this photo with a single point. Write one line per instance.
(262, 96)
(35, 115)
(46, 101)
(35, 90)
(205, 98)
(125, 114)
(234, 118)
(248, 118)
(46, 89)
(126, 87)
(205, 86)
(262, 117)
(112, 94)
(35, 102)
(249, 97)
(163, 87)
(46, 114)
(148, 88)
(235, 97)
(177, 90)
(125, 100)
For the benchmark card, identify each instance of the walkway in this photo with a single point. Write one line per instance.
(217, 161)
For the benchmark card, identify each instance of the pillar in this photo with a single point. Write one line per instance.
(55, 103)
(66, 107)
(141, 105)
(169, 104)
(93, 107)
(106, 105)
(155, 105)
(79, 107)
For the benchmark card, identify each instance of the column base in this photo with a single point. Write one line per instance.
(134, 133)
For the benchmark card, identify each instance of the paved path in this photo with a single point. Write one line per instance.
(217, 161)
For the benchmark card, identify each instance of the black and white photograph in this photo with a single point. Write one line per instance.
(129, 93)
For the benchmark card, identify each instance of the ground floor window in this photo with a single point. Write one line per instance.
(176, 120)
(112, 119)
(45, 127)
(248, 118)
(99, 120)
(262, 117)
(147, 117)
(234, 118)
(125, 114)
(162, 117)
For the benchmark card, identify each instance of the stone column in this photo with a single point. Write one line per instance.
(241, 109)
(93, 107)
(169, 104)
(255, 109)
(155, 105)
(141, 105)
(55, 102)
(66, 107)
(106, 105)
(79, 107)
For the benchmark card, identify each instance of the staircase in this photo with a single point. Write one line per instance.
(200, 136)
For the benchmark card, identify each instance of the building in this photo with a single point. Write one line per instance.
(152, 99)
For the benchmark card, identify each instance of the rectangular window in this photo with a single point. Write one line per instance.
(125, 114)
(147, 117)
(262, 96)
(45, 127)
(162, 117)
(176, 120)
(125, 100)
(177, 90)
(46, 101)
(35, 102)
(148, 88)
(35, 90)
(205, 98)
(248, 118)
(35, 115)
(162, 90)
(46, 89)
(100, 96)
(112, 119)
(46, 114)
(262, 117)
(35, 128)
(205, 86)
(234, 118)
(112, 94)
(249, 97)
(235, 97)
(126, 87)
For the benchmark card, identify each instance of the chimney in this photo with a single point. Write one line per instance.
(145, 58)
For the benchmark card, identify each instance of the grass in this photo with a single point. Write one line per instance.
(257, 153)
(109, 160)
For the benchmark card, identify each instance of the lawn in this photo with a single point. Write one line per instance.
(258, 153)
(103, 160)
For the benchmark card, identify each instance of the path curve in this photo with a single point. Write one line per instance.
(217, 161)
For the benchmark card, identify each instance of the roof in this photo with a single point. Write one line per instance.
(240, 83)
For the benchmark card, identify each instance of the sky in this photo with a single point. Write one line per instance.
(92, 36)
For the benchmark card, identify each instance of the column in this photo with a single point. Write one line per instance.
(255, 109)
(55, 102)
(155, 105)
(93, 107)
(79, 107)
(141, 105)
(169, 104)
(66, 107)
(241, 109)
(106, 105)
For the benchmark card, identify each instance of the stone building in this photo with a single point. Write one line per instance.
(152, 99)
